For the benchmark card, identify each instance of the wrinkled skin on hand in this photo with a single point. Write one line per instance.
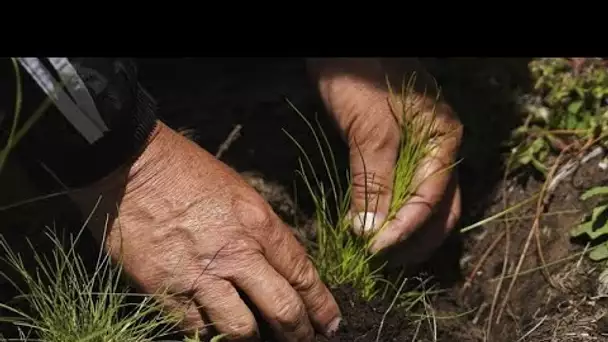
(355, 92)
(187, 223)
(182, 221)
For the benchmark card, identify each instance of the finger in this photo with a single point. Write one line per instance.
(426, 240)
(289, 258)
(433, 175)
(186, 312)
(277, 301)
(372, 163)
(226, 311)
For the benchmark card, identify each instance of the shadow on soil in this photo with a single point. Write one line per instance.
(210, 96)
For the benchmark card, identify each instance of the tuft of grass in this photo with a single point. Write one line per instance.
(67, 303)
(341, 256)
(416, 142)
(68, 308)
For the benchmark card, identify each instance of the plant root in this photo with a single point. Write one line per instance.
(534, 231)
(480, 263)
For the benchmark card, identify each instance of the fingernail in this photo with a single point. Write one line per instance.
(367, 222)
(333, 327)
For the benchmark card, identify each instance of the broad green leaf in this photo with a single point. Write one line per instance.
(581, 229)
(538, 144)
(588, 226)
(593, 122)
(580, 92)
(524, 158)
(574, 107)
(571, 121)
(599, 92)
(599, 252)
(596, 191)
(540, 166)
(585, 122)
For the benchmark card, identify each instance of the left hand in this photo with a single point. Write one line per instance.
(355, 93)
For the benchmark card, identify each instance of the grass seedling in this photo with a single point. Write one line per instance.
(415, 145)
(67, 302)
(342, 257)
(339, 255)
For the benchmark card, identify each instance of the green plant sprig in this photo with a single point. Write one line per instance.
(341, 256)
(70, 304)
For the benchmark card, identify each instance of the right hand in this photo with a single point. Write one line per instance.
(189, 224)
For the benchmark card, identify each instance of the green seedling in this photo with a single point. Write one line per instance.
(595, 226)
(341, 256)
(67, 302)
(69, 305)
(570, 106)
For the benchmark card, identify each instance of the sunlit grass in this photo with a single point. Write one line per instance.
(341, 256)
(66, 302)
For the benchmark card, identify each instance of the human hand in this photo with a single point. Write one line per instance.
(189, 224)
(355, 93)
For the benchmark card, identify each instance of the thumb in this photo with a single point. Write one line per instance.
(372, 163)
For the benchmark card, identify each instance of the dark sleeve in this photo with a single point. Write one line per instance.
(56, 144)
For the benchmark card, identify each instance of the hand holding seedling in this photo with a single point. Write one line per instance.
(190, 226)
(355, 91)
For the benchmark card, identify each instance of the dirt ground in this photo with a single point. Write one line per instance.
(209, 97)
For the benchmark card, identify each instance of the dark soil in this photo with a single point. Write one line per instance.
(209, 97)
(361, 320)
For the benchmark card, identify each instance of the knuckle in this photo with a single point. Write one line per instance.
(305, 277)
(309, 284)
(190, 320)
(369, 187)
(374, 135)
(289, 313)
(243, 329)
(253, 212)
(449, 122)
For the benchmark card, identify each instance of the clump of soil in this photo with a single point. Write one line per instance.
(361, 320)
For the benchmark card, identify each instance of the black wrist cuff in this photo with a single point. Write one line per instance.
(118, 147)
(55, 152)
